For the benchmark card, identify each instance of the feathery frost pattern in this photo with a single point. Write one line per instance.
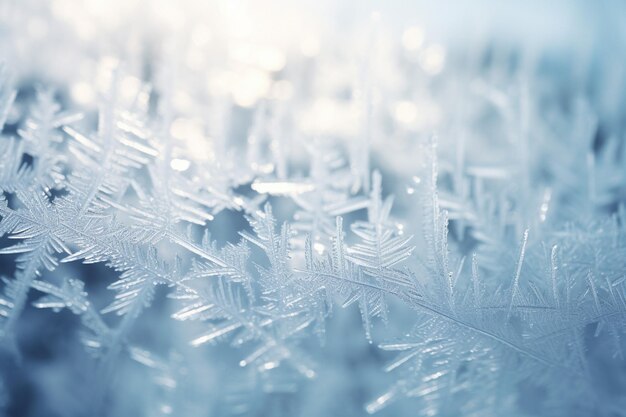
(194, 223)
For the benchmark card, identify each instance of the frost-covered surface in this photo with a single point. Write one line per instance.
(303, 209)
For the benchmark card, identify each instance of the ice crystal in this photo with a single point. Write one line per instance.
(208, 211)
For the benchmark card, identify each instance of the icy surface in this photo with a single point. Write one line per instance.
(312, 209)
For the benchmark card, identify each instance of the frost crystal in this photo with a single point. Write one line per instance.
(296, 210)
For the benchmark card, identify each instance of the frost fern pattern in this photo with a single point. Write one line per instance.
(225, 280)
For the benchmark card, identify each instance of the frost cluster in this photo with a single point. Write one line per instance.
(296, 209)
